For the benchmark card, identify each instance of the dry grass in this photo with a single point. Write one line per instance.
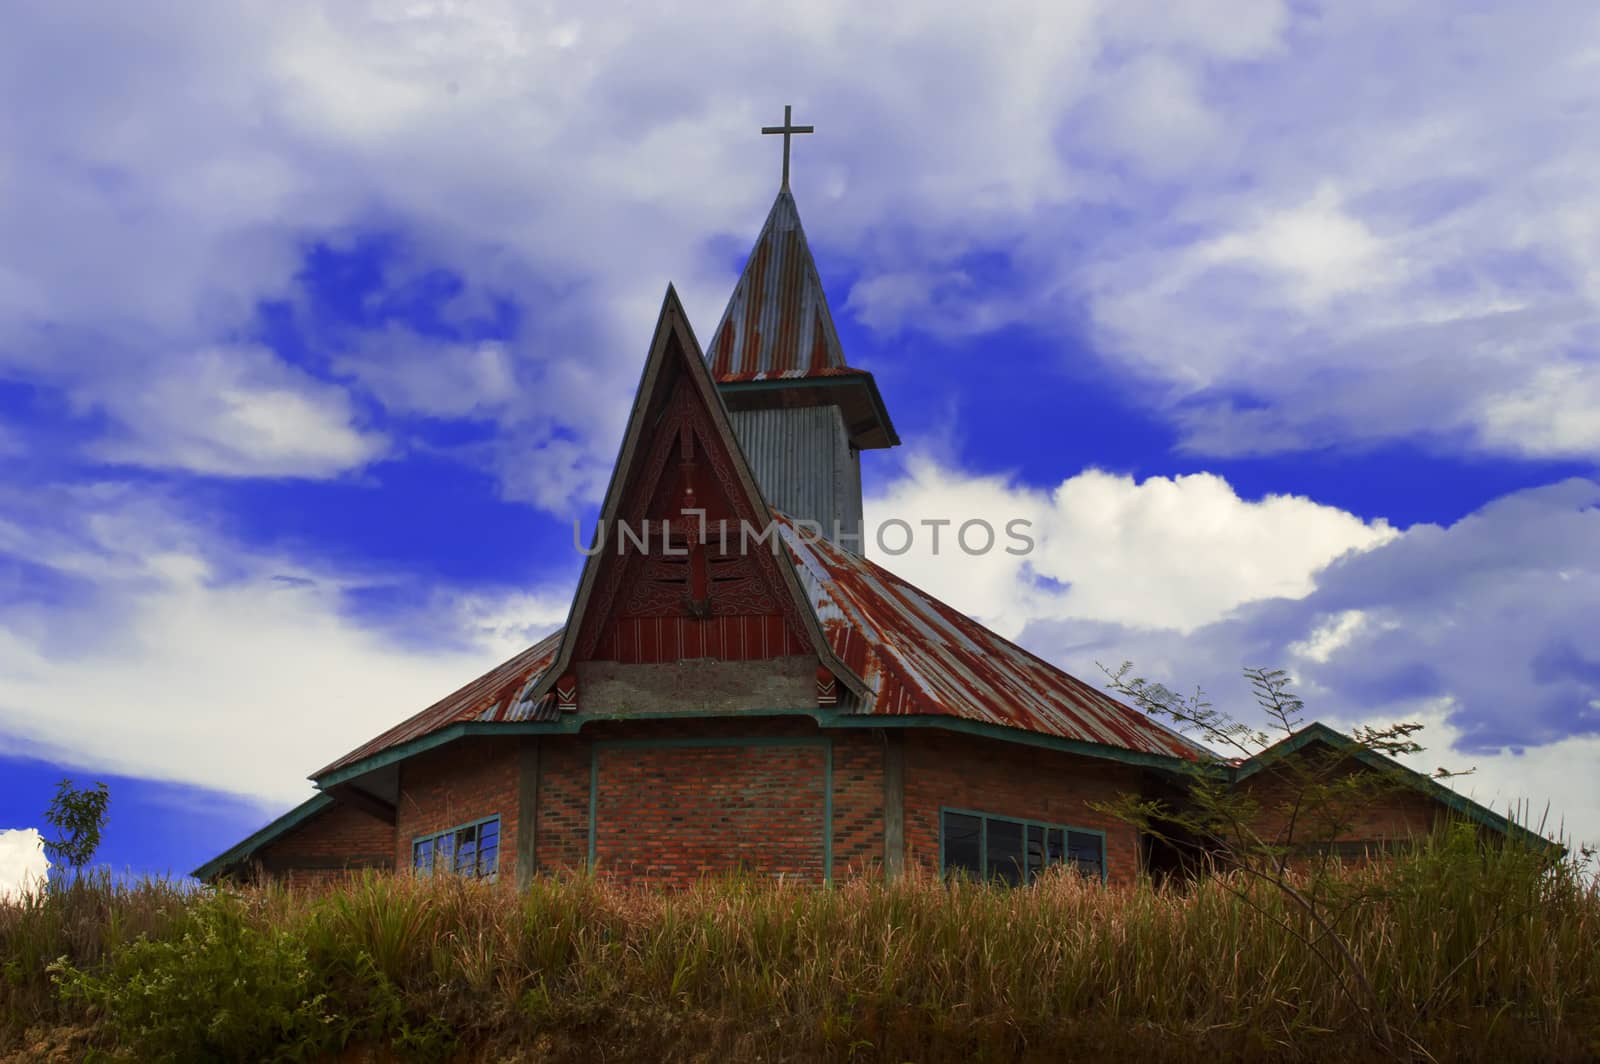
(1473, 956)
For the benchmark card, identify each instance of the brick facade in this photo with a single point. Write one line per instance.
(1005, 779)
(456, 784)
(671, 814)
(680, 799)
(858, 801)
(1383, 813)
(326, 847)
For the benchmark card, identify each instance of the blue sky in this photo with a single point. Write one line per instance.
(318, 324)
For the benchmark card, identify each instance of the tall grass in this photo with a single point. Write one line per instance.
(1473, 954)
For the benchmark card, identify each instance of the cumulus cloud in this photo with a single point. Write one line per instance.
(1166, 552)
(1549, 788)
(231, 412)
(1397, 258)
(1472, 626)
(1409, 255)
(560, 157)
(433, 379)
(23, 864)
(179, 656)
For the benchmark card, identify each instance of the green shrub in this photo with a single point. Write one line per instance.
(218, 989)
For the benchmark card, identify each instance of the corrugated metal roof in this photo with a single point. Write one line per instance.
(920, 656)
(489, 697)
(777, 325)
(917, 656)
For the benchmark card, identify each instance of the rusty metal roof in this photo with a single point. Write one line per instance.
(489, 697)
(777, 324)
(920, 656)
(916, 655)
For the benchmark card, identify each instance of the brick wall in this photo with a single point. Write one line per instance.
(1385, 811)
(563, 835)
(858, 758)
(670, 813)
(455, 784)
(1005, 779)
(322, 848)
(673, 812)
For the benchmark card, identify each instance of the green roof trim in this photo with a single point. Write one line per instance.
(571, 724)
(284, 824)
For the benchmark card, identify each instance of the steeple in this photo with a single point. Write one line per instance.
(801, 412)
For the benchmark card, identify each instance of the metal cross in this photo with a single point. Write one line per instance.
(787, 129)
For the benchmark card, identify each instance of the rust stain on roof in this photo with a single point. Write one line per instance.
(489, 697)
(917, 656)
(777, 325)
(920, 656)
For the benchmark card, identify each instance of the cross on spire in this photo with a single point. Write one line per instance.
(788, 129)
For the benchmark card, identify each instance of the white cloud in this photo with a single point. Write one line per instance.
(1317, 247)
(1472, 627)
(1176, 552)
(409, 375)
(1556, 412)
(1217, 29)
(1396, 245)
(1386, 259)
(1151, 113)
(557, 156)
(190, 659)
(23, 864)
(1329, 637)
(232, 412)
(1549, 788)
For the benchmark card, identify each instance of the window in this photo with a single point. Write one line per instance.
(470, 850)
(1015, 851)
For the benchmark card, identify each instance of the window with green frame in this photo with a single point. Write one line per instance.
(984, 846)
(469, 850)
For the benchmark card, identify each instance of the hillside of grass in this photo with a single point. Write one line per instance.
(1469, 955)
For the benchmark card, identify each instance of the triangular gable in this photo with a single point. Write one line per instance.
(1318, 734)
(627, 607)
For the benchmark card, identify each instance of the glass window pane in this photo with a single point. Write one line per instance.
(422, 855)
(1035, 851)
(444, 852)
(1085, 850)
(962, 844)
(488, 847)
(1058, 846)
(1005, 851)
(467, 850)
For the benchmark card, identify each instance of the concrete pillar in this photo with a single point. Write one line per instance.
(894, 805)
(527, 810)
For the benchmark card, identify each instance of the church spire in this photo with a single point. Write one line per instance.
(777, 336)
(802, 414)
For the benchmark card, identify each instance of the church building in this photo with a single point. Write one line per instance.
(738, 686)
